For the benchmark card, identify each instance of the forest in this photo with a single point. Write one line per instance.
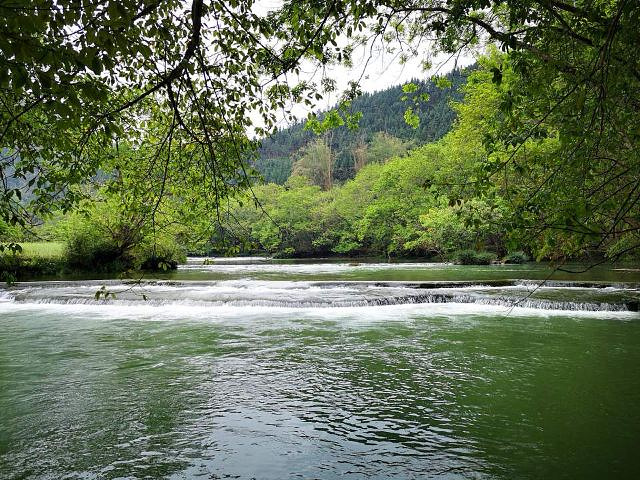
(378, 113)
(432, 201)
(132, 167)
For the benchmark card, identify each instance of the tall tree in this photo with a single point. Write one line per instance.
(316, 163)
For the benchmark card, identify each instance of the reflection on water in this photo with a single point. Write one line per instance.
(193, 385)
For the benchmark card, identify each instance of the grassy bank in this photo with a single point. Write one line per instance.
(50, 250)
(54, 259)
(35, 260)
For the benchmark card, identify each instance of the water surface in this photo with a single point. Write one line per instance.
(246, 369)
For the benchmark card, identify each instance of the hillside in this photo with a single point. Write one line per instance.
(382, 111)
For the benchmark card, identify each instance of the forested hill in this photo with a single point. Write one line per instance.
(382, 111)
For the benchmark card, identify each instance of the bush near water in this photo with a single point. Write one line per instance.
(83, 245)
(84, 255)
(471, 257)
(516, 258)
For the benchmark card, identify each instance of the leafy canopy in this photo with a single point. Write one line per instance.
(79, 79)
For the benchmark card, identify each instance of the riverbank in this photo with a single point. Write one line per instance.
(51, 260)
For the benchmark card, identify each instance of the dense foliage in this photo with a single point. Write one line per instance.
(437, 200)
(78, 78)
(144, 107)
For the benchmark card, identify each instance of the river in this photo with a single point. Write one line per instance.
(251, 368)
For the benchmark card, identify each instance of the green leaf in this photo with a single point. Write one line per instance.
(411, 118)
(96, 65)
(409, 88)
(443, 82)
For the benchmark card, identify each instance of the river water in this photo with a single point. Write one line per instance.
(250, 368)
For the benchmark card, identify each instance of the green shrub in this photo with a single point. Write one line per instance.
(162, 254)
(485, 258)
(90, 250)
(516, 258)
(464, 257)
(19, 267)
(471, 257)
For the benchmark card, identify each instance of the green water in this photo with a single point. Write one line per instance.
(181, 390)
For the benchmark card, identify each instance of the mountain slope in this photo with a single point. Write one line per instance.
(382, 111)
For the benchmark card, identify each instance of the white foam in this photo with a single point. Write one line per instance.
(201, 260)
(182, 311)
(249, 298)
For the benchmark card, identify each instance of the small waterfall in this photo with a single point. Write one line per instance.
(288, 294)
(575, 284)
(302, 300)
(6, 296)
(542, 304)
